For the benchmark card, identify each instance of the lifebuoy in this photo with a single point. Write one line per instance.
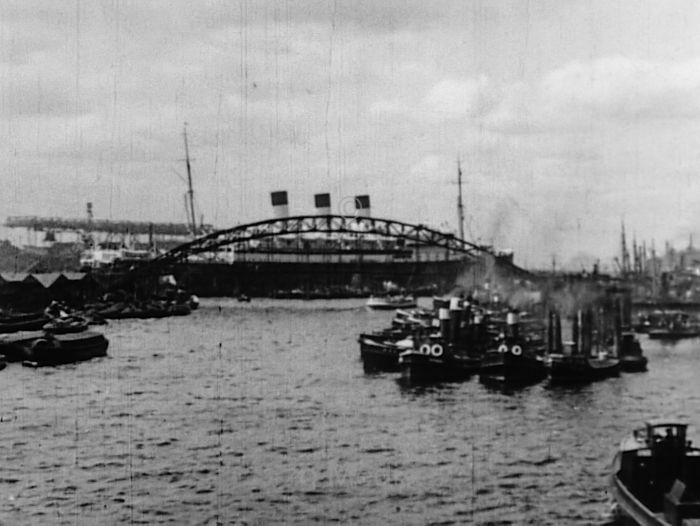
(503, 348)
(424, 349)
(436, 350)
(516, 350)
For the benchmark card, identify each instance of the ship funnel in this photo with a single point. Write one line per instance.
(455, 319)
(512, 322)
(362, 205)
(280, 205)
(323, 204)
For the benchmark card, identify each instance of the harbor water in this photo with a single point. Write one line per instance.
(261, 413)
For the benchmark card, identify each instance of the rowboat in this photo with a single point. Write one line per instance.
(66, 348)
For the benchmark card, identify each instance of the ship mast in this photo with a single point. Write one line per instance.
(625, 254)
(460, 204)
(190, 191)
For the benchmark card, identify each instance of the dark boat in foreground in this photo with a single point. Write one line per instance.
(655, 478)
(66, 348)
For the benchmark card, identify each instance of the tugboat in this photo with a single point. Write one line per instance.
(655, 478)
(380, 350)
(435, 361)
(587, 357)
(630, 354)
(455, 354)
(518, 359)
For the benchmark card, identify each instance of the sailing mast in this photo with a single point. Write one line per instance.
(190, 191)
(460, 204)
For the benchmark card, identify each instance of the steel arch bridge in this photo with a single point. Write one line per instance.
(322, 224)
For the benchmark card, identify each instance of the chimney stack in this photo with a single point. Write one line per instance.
(280, 205)
(362, 205)
(323, 204)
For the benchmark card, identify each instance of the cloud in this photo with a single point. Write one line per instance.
(459, 98)
(447, 99)
(611, 89)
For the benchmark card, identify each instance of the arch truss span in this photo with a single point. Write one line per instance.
(327, 224)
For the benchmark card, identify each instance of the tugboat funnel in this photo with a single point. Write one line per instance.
(362, 205)
(323, 204)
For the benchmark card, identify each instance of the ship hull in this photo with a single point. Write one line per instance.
(419, 368)
(377, 355)
(579, 369)
(509, 368)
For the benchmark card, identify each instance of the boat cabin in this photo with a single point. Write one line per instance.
(661, 470)
(666, 437)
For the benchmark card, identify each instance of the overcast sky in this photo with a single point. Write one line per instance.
(568, 115)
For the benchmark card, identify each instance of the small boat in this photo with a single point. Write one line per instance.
(65, 348)
(14, 346)
(437, 361)
(243, 298)
(672, 334)
(12, 317)
(193, 302)
(113, 311)
(674, 325)
(179, 309)
(391, 302)
(413, 319)
(655, 479)
(10, 324)
(66, 325)
(380, 351)
(630, 354)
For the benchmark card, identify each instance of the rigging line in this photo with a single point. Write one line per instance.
(217, 143)
(329, 92)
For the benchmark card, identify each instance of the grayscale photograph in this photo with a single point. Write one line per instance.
(372, 262)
